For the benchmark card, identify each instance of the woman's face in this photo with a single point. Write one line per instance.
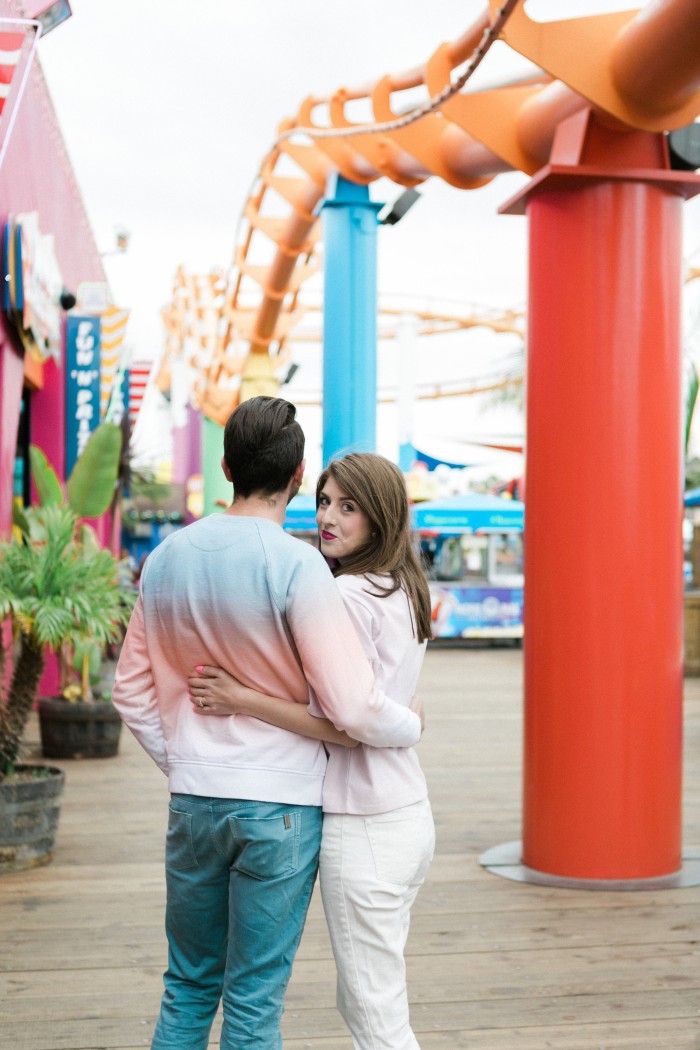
(342, 524)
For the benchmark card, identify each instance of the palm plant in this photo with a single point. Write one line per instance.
(55, 586)
(58, 587)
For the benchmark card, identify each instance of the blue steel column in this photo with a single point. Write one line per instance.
(349, 319)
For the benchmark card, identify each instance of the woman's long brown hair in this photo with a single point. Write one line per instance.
(379, 488)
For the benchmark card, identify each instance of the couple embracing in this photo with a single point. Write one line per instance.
(279, 702)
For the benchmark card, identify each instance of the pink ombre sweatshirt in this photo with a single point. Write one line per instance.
(240, 593)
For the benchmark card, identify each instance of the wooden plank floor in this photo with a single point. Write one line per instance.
(493, 965)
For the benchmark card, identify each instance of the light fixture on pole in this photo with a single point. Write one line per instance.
(121, 242)
(52, 15)
(293, 369)
(67, 299)
(390, 214)
(684, 147)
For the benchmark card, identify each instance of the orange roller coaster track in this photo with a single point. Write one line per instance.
(640, 69)
(195, 318)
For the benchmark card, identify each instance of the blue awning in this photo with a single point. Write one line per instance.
(469, 513)
(455, 514)
(301, 514)
(692, 498)
(431, 462)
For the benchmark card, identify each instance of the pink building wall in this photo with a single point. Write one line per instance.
(37, 175)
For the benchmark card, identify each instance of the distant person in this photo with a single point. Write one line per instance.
(139, 568)
(234, 590)
(378, 833)
(126, 568)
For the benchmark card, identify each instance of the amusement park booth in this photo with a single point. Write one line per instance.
(472, 547)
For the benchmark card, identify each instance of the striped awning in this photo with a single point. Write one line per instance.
(113, 323)
(18, 38)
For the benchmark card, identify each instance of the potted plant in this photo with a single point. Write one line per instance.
(58, 589)
(81, 721)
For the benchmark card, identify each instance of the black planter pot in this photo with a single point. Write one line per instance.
(29, 812)
(78, 730)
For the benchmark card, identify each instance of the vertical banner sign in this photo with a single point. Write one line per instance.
(82, 384)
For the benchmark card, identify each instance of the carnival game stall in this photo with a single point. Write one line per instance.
(473, 553)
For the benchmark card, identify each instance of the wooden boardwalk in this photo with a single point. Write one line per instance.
(493, 965)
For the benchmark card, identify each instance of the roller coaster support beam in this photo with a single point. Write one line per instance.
(604, 601)
(406, 347)
(187, 446)
(217, 490)
(349, 319)
(187, 450)
(186, 426)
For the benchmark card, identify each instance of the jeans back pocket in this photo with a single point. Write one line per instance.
(179, 845)
(266, 847)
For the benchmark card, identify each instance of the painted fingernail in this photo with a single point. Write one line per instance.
(199, 667)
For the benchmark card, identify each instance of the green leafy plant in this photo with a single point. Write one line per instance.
(87, 666)
(90, 487)
(57, 586)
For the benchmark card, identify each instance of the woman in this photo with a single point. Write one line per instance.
(378, 833)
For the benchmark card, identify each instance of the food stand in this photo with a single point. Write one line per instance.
(472, 549)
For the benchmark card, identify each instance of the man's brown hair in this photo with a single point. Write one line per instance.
(263, 446)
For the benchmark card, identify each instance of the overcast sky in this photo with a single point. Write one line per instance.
(168, 106)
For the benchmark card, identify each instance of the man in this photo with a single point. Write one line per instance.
(235, 590)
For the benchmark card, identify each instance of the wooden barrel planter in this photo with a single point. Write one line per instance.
(30, 804)
(78, 730)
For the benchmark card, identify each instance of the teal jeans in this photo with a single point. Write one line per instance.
(239, 880)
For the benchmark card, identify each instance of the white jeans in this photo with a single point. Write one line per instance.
(371, 870)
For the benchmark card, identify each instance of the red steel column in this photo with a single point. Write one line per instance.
(603, 548)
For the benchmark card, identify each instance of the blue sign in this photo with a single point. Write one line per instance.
(32, 286)
(458, 514)
(12, 293)
(476, 612)
(82, 384)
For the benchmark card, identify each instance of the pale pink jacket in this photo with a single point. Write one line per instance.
(371, 779)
